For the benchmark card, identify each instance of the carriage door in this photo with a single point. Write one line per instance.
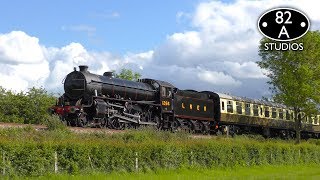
(166, 98)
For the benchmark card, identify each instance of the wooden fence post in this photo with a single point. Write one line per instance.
(137, 163)
(191, 158)
(90, 162)
(55, 162)
(4, 163)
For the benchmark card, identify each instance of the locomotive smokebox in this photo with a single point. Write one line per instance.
(83, 68)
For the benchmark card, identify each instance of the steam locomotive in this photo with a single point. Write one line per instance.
(105, 101)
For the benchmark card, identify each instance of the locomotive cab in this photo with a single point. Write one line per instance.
(165, 93)
(166, 97)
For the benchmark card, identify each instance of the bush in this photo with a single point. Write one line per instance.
(54, 123)
(25, 107)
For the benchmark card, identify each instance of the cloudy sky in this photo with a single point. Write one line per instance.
(201, 45)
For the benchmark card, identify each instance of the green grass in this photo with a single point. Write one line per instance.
(256, 172)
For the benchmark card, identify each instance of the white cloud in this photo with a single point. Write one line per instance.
(218, 54)
(17, 47)
(218, 78)
(64, 59)
(244, 70)
(22, 60)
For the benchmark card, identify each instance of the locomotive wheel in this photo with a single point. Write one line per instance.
(103, 123)
(115, 124)
(204, 128)
(144, 116)
(175, 126)
(191, 128)
(82, 120)
(157, 120)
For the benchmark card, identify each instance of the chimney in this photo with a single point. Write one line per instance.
(83, 68)
(108, 74)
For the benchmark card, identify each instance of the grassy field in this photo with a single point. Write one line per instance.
(256, 172)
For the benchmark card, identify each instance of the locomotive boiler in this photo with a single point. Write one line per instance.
(83, 84)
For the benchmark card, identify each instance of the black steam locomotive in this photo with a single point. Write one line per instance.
(106, 101)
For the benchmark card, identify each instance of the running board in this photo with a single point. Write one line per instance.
(126, 119)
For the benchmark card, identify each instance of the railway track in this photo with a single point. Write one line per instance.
(72, 129)
(82, 129)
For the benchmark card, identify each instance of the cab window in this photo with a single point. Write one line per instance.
(163, 91)
(169, 92)
(166, 92)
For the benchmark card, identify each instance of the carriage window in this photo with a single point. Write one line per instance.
(222, 105)
(248, 109)
(311, 120)
(255, 110)
(261, 111)
(274, 113)
(287, 115)
(316, 120)
(299, 117)
(280, 114)
(266, 112)
(229, 107)
(239, 107)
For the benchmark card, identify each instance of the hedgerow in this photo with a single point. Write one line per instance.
(33, 153)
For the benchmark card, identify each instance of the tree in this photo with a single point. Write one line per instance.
(25, 107)
(128, 75)
(295, 76)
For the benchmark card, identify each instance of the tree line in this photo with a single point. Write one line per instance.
(28, 107)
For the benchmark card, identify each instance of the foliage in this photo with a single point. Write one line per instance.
(54, 123)
(128, 75)
(28, 152)
(295, 75)
(25, 107)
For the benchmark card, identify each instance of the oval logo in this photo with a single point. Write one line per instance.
(283, 24)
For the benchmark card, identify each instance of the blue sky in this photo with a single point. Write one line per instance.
(193, 44)
(116, 26)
